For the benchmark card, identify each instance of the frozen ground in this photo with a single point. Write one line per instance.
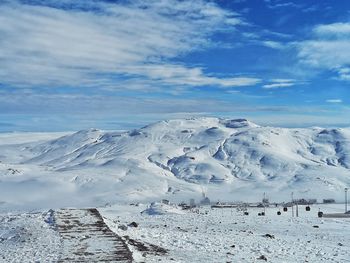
(226, 235)
(168, 234)
(28, 238)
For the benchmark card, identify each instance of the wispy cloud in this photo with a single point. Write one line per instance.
(280, 83)
(337, 30)
(180, 75)
(92, 43)
(334, 101)
(282, 5)
(273, 44)
(277, 85)
(328, 49)
(344, 74)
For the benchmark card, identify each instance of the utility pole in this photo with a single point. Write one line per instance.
(346, 199)
(296, 206)
(292, 205)
(297, 210)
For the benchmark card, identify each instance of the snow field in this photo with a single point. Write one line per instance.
(28, 238)
(226, 235)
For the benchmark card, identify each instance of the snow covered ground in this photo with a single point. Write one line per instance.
(226, 235)
(200, 235)
(28, 238)
(228, 160)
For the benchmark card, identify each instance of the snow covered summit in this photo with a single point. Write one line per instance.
(228, 157)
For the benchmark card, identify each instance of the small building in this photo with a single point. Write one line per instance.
(165, 201)
(312, 201)
(328, 201)
(192, 203)
(301, 201)
(184, 206)
(205, 201)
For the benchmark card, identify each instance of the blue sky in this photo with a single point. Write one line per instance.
(72, 64)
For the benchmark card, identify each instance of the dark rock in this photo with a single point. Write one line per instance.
(262, 257)
(133, 224)
(269, 236)
(123, 227)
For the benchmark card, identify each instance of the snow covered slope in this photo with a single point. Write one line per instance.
(227, 159)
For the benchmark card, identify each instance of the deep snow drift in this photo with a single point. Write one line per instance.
(177, 160)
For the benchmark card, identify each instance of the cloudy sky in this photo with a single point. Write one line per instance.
(76, 64)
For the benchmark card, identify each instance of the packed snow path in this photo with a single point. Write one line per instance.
(86, 238)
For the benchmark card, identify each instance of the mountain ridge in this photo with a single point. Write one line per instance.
(229, 159)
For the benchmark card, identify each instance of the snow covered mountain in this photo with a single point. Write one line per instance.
(225, 158)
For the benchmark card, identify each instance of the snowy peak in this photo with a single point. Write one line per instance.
(201, 122)
(208, 151)
(238, 123)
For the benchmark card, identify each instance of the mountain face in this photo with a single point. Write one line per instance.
(233, 157)
(204, 150)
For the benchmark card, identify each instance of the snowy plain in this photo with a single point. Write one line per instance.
(200, 235)
(26, 237)
(227, 235)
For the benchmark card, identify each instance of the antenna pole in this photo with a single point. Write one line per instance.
(346, 199)
(292, 205)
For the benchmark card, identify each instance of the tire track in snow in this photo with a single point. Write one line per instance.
(86, 238)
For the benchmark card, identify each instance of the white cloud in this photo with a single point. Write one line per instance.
(339, 30)
(178, 74)
(277, 85)
(344, 74)
(328, 49)
(280, 83)
(334, 101)
(66, 43)
(321, 53)
(282, 5)
(283, 80)
(273, 44)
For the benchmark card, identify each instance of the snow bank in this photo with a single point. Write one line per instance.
(162, 209)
